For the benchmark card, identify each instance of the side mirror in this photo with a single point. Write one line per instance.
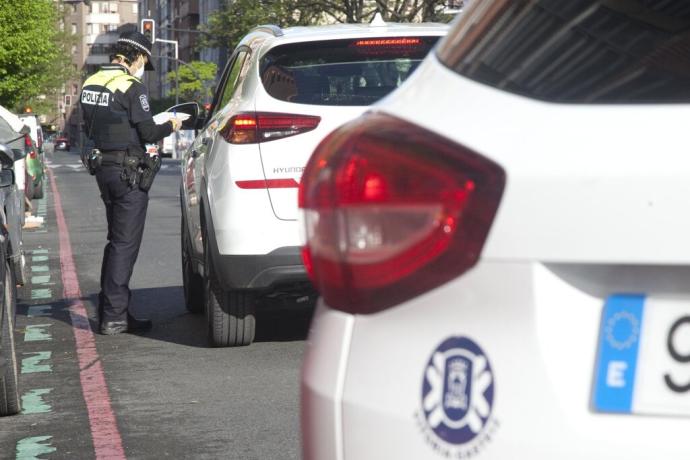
(6, 177)
(25, 130)
(191, 109)
(6, 156)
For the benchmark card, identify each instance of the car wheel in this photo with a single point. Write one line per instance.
(20, 267)
(230, 314)
(192, 283)
(9, 393)
(38, 190)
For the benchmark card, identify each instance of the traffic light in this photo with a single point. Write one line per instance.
(148, 28)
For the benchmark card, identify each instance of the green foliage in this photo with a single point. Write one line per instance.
(34, 53)
(237, 17)
(196, 81)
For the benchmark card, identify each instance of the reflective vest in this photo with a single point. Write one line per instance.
(106, 98)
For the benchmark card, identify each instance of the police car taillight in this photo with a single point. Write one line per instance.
(256, 127)
(391, 211)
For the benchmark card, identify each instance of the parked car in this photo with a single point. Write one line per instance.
(14, 134)
(61, 142)
(501, 246)
(35, 158)
(282, 91)
(10, 403)
(20, 173)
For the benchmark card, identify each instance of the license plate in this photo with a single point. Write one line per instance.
(643, 364)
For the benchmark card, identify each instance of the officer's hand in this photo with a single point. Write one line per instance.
(176, 123)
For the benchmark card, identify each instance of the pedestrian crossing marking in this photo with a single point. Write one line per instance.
(39, 310)
(36, 333)
(39, 268)
(33, 402)
(31, 365)
(40, 279)
(39, 258)
(31, 448)
(41, 294)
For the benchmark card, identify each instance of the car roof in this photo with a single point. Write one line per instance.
(11, 118)
(335, 31)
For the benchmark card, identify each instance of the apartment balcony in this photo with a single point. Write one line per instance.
(107, 38)
(103, 18)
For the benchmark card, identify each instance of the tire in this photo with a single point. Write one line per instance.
(38, 191)
(230, 314)
(192, 283)
(9, 393)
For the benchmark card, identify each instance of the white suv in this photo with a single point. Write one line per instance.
(502, 247)
(281, 92)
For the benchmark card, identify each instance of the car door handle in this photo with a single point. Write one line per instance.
(195, 153)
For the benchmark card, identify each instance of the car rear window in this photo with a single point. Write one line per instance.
(576, 51)
(341, 72)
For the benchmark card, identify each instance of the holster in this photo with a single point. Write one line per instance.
(148, 168)
(93, 161)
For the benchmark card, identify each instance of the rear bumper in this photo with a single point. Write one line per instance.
(278, 267)
(539, 328)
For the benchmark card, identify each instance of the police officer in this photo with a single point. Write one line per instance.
(118, 120)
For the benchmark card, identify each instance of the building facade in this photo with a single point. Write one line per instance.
(97, 24)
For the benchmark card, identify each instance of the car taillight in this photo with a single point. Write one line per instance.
(27, 140)
(252, 128)
(391, 211)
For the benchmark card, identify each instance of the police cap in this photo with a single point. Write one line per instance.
(140, 42)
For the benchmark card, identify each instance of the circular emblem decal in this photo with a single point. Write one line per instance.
(457, 391)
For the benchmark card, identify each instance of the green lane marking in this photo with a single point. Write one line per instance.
(31, 364)
(33, 403)
(36, 333)
(43, 279)
(39, 258)
(39, 310)
(31, 448)
(40, 268)
(41, 294)
(39, 251)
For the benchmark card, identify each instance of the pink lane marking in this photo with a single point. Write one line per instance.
(107, 441)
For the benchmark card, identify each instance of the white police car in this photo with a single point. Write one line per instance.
(282, 91)
(502, 246)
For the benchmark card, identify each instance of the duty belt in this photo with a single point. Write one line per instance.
(113, 157)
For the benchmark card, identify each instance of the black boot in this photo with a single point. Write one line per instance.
(138, 325)
(131, 325)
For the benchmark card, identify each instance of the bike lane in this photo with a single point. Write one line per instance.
(66, 410)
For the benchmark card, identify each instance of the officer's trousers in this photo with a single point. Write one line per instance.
(126, 213)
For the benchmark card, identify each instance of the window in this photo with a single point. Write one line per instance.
(74, 28)
(74, 7)
(135, 8)
(231, 81)
(342, 72)
(74, 49)
(575, 51)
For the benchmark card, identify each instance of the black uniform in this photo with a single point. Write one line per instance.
(122, 122)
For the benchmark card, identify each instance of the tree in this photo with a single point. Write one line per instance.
(196, 81)
(237, 17)
(35, 58)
